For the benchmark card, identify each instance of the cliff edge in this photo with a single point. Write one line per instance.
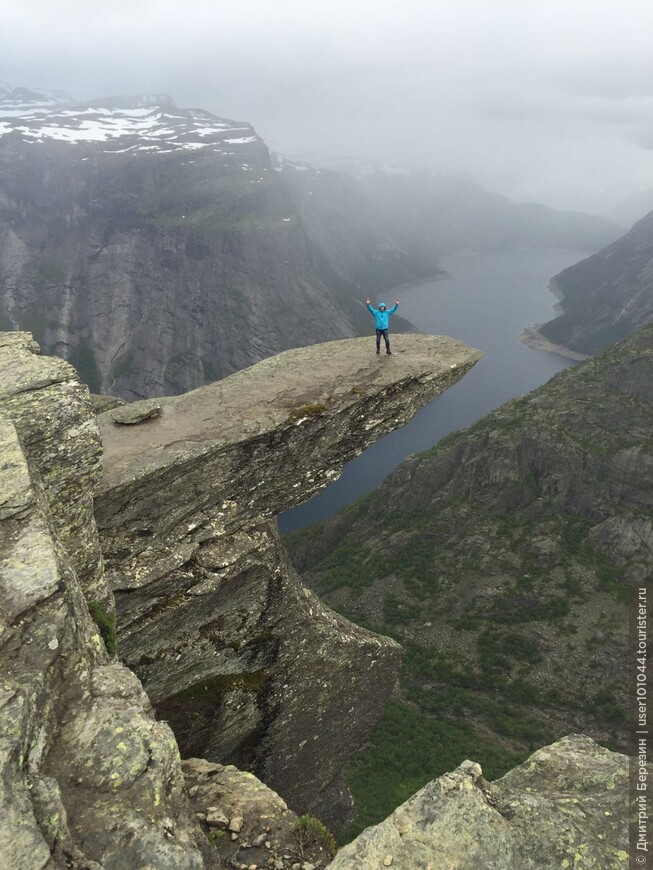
(246, 664)
(238, 656)
(563, 807)
(88, 778)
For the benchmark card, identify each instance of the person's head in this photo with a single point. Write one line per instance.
(382, 306)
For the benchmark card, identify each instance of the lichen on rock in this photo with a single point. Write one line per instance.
(566, 806)
(87, 777)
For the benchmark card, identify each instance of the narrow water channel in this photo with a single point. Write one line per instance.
(489, 300)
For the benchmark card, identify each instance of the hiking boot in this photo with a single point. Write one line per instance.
(378, 350)
(389, 351)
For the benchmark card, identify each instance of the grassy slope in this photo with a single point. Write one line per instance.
(488, 559)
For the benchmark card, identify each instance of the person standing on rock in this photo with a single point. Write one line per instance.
(382, 318)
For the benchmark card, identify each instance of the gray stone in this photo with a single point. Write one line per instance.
(267, 828)
(50, 409)
(247, 666)
(99, 404)
(136, 412)
(236, 824)
(565, 806)
(86, 775)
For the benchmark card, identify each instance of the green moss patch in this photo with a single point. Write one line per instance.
(106, 624)
(214, 688)
(312, 409)
(311, 834)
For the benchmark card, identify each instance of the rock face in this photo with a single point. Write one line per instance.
(248, 823)
(564, 807)
(247, 665)
(155, 247)
(89, 778)
(606, 297)
(497, 557)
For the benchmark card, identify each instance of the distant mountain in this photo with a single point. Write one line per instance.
(444, 213)
(362, 244)
(502, 561)
(17, 101)
(606, 297)
(155, 247)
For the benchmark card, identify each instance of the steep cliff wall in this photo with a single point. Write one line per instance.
(362, 243)
(155, 247)
(88, 778)
(247, 665)
(606, 297)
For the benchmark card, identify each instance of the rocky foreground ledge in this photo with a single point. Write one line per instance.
(247, 666)
(566, 806)
(240, 658)
(88, 778)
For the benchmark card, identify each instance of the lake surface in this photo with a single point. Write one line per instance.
(488, 301)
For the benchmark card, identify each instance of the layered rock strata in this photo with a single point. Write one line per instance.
(566, 806)
(246, 664)
(87, 777)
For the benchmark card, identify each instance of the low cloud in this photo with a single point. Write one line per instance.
(551, 101)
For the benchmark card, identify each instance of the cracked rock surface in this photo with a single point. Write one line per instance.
(566, 806)
(246, 823)
(88, 778)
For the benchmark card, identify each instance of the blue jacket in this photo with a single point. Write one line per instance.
(382, 317)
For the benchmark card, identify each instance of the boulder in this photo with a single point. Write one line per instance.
(566, 806)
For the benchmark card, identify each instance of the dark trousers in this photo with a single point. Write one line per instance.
(384, 333)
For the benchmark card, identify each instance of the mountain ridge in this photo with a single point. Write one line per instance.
(447, 212)
(605, 297)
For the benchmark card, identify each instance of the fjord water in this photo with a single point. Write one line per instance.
(488, 301)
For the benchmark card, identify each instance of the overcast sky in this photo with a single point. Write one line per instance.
(549, 101)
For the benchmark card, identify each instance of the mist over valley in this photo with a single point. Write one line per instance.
(326, 470)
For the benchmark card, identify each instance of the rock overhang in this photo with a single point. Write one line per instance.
(314, 407)
(209, 609)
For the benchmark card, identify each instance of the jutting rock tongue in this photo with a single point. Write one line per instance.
(247, 665)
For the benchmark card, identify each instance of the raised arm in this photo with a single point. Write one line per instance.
(368, 302)
(394, 307)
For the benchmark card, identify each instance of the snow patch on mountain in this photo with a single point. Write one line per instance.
(281, 163)
(150, 123)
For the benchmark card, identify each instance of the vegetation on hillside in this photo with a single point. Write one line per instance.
(503, 561)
